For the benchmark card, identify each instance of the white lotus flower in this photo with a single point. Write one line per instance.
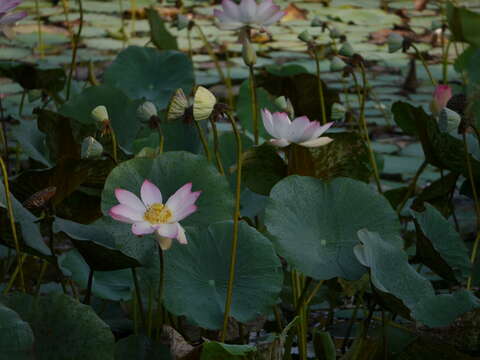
(248, 13)
(300, 131)
(150, 215)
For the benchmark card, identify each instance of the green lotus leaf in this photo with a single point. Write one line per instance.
(121, 110)
(314, 224)
(63, 327)
(140, 347)
(197, 275)
(213, 350)
(439, 246)
(96, 245)
(17, 337)
(147, 73)
(170, 171)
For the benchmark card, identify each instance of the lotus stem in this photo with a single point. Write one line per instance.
(216, 147)
(40, 277)
(160, 290)
(3, 135)
(12, 222)
(14, 275)
(76, 39)
(445, 59)
(203, 139)
(41, 46)
(236, 220)
(225, 79)
(133, 9)
(22, 102)
(139, 298)
(411, 188)
(161, 139)
(320, 88)
(114, 143)
(253, 96)
(425, 65)
(363, 124)
(477, 207)
(88, 295)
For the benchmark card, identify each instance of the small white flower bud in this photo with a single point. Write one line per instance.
(394, 42)
(100, 114)
(147, 110)
(91, 148)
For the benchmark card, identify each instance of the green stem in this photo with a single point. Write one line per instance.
(216, 147)
(236, 219)
(363, 124)
(22, 102)
(14, 275)
(477, 207)
(114, 144)
(3, 135)
(41, 46)
(203, 139)
(254, 104)
(73, 64)
(160, 290)
(40, 277)
(12, 221)
(139, 298)
(425, 65)
(225, 79)
(88, 295)
(445, 61)
(133, 9)
(411, 188)
(320, 88)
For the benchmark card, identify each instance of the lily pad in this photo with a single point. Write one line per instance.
(147, 73)
(63, 327)
(121, 110)
(96, 245)
(197, 275)
(17, 337)
(169, 171)
(314, 224)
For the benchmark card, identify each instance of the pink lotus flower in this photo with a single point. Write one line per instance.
(300, 131)
(150, 215)
(441, 95)
(248, 13)
(7, 21)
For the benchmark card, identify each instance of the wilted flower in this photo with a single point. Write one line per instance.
(147, 110)
(7, 21)
(300, 131)
(248, 13)
(441, 95)
(150, 215)
(91, 148)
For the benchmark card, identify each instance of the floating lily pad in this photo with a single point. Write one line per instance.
(150, 74)
(197, 275)
(314, 224)
(63, 327)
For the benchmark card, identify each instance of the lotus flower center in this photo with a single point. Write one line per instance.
(158, 214)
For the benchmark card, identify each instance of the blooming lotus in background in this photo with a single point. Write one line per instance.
(7, 21)
(150, 215)
(248, 13)
(441, 95)
(300, 131)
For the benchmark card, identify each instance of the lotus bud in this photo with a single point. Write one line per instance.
(346, 50)
(305, 36)
(441, 96)
(337, 64)
(338, 112)
(448, 120)
(100, 114)
(286, 105)
(394, 42)
(91, 148)
(248, 53)
(316, 22)
(147, 110)
(335, 33)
